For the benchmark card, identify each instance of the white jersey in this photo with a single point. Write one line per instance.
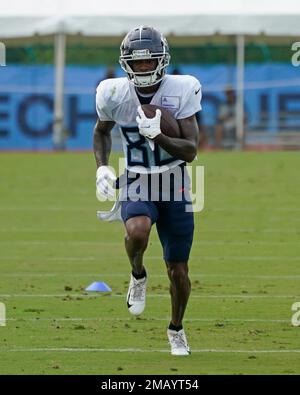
(117, 101)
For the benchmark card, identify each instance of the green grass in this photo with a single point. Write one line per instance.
(244, 270)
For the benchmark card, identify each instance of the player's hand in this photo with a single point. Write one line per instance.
(104, 179)
(148, 127)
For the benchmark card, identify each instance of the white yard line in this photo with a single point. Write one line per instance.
(202, 229)
(51, 230)
(141, 350)
(250, 243)
(50, 208)
(62, 258)
(154, 257)
(57, 242)
(97, 294)
(126, 274)
(150, 319)
(212, 209)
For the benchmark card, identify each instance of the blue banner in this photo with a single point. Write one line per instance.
(272, 101)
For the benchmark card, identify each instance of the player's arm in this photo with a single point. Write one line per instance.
(102, 148)
(102, 141)
(184, 148)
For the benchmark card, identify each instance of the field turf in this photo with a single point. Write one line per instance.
(244, 268)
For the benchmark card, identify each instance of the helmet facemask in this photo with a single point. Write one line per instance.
(147, 78)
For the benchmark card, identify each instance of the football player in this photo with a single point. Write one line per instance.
(145, 57)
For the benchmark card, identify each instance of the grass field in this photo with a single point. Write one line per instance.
(244, 268)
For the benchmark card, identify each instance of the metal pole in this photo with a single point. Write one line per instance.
(240, 131)
(58, 125)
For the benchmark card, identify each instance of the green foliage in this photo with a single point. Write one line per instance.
(108, 55)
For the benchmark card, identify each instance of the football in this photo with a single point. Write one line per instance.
(168, 124)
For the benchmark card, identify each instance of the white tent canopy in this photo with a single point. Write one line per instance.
(116, 17)
(149, 7)
(183, 25)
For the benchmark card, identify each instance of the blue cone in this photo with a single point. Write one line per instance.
(98, 287)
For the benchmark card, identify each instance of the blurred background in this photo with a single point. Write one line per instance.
(54, 53)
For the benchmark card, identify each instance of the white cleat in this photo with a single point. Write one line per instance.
(136, 296)
(178, 342)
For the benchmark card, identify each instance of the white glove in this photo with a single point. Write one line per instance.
(148, 127)
(104, 178)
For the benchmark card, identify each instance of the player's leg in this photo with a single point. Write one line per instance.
(175, 228)
(138, 218)
(180, 289)
(136, 241)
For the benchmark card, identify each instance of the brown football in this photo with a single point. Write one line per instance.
(168, 124)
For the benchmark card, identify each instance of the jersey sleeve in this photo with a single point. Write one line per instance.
(102, 103)
(191, 98)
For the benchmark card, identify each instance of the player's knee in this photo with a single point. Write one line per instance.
(138, 230)
(178, 272)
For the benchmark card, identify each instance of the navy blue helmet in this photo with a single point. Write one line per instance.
(144, 42)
